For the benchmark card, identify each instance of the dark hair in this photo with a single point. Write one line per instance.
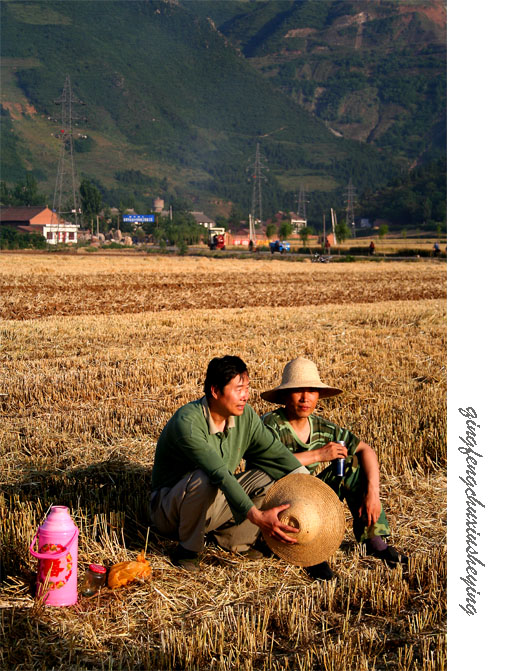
(221, 370)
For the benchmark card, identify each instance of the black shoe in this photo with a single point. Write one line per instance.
(390, 556)
(320, 571)
(186, 559)
(262, 547)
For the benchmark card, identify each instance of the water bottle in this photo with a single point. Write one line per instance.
(57, 578)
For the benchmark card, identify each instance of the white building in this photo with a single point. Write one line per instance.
(297, 222)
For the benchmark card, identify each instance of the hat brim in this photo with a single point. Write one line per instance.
(318, 513)
(277, 394)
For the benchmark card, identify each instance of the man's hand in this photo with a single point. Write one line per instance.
(270, 525)
(332, 451)
(371, 507)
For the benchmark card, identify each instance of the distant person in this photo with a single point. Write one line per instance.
(251, 245)
(436, 249)
(194, 489)
(327, 244)
(314, 440)
(371, 248)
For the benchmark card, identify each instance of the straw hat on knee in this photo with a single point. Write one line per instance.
(315, 510)
(299, 373)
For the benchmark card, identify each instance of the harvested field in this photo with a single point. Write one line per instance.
(83, 285)
(88, 383)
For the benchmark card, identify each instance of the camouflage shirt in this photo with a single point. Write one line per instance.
(322, 432)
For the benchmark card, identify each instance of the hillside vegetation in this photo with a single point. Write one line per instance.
(182, 92)
(374, 72)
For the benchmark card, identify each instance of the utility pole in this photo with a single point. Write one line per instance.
(258, 177)
(66, 198)
(333, 220)
(351, 196)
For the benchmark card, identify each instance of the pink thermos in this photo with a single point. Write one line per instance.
(58, 558)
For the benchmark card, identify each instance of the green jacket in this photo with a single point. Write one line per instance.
(190, 441)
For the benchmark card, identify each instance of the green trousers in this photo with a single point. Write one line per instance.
(352, 487)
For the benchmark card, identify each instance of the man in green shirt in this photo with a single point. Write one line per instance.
(194, 489)
(314, 440)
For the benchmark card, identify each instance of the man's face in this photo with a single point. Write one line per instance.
(300, 403)
(233, 398)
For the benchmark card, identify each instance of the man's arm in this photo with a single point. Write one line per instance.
(328, 452)
(266, 452)
(370, 465)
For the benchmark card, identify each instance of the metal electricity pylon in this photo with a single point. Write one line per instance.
(256, 170)
(66, 198)
(302, 203)
(351, 197)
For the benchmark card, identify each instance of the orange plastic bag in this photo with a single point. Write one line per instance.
(128, 571)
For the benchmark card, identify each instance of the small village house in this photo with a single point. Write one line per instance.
(40, 219)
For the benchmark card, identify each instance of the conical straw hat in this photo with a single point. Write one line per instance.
(299, 373)
(315, 510)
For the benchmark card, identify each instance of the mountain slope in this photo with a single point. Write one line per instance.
(372, 71)
(172, 106)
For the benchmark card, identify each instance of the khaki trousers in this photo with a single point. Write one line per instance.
(195, 507)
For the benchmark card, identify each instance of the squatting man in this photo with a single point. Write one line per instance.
(314, 441)
(194, 489)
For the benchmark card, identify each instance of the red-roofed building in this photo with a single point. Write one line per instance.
(40, 219)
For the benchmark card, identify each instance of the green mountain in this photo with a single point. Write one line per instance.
(371, 71)
(177, 95)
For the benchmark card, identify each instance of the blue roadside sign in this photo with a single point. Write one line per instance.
(133, 218)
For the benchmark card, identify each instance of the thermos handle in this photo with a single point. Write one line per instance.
(53, 555)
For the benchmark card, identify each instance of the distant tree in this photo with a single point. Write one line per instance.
(427, 209)
(285, 229)
(90, 199)
(270, 230)
(26, 192)
(343, 231)
(13, 239)
(235, 217)
(5, 194)
(383, 230)
(180, 204)
(222, 222)
(106, 222)
(304, 234)
(126, 226)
